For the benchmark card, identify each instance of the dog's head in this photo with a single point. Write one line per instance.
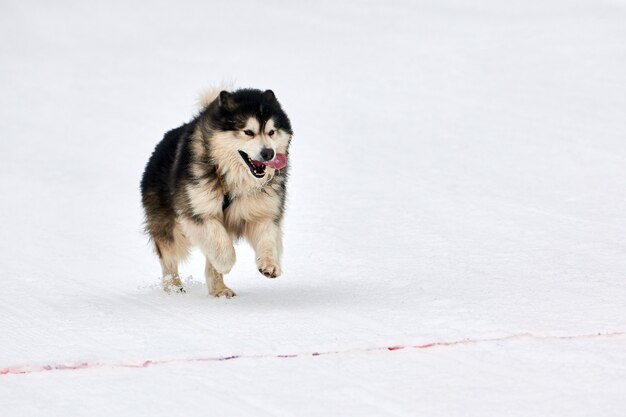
(249, 132)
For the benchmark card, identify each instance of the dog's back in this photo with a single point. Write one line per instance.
(158, 184)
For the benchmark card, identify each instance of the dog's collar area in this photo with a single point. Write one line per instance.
(227, 199)
(226, 202)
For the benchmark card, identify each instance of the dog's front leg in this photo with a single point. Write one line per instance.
(214, 242)
(267, 240)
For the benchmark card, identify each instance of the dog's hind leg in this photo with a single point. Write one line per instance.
(171, 253)
(215, 282)
(266, 239)
(171, 279)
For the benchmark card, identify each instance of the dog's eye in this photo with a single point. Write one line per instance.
(248, 132)
(271, 133)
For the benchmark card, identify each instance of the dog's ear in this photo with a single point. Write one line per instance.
(269, 95)
(226, 100)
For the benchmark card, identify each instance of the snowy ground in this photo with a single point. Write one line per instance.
(458, 189)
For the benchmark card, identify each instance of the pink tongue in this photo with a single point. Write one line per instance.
(279, 161)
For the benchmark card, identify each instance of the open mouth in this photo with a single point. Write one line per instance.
(256, 168)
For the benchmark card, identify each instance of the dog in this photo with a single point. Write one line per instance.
(218, 178)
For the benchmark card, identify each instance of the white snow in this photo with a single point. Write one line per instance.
(458, 172)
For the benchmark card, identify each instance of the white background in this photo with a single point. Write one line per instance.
(458, 171)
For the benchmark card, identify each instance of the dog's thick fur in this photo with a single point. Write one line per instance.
(197, 189)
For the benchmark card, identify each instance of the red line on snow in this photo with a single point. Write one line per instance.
(21, 370)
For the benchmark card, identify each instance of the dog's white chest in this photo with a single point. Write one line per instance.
(253, 207)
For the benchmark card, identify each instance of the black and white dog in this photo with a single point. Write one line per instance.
(220, 177)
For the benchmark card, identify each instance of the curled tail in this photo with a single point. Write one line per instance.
(210, 94)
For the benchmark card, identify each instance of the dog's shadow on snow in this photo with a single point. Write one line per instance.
(266, 295)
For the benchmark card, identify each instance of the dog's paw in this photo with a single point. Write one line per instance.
(222, 292)
(172, 285)
(268, 267)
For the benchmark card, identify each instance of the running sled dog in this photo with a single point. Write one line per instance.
(216, 179)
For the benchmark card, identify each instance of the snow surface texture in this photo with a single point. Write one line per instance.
(458, 189)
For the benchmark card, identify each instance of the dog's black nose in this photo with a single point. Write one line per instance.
(267, 154)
